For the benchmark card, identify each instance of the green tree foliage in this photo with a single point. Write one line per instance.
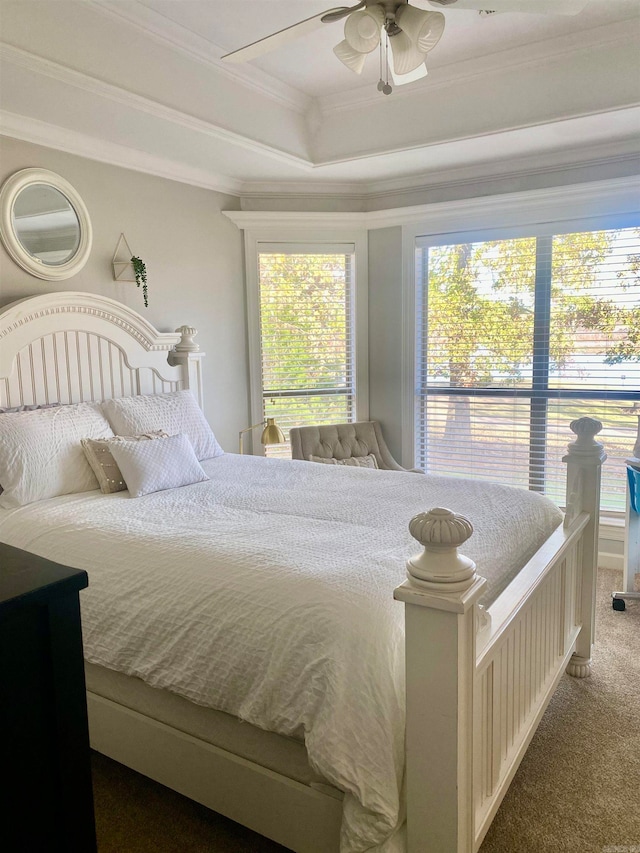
(627, 348)
(306, 339)
(481, 301)
(303, 317)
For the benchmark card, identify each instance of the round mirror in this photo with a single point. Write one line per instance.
(45, 226)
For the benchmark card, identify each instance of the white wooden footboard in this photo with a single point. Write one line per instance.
(479, 681)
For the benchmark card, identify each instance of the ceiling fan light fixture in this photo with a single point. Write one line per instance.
(404, 55)
(425, 29)
(353, 59)
(401, 79)
(362, 29)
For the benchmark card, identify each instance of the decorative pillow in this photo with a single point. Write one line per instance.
(41, 455)
(99, 456)
(176, 412)
(151, 466)
(353, 461)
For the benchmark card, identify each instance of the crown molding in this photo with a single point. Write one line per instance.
(629, 110)
(155, 25)
(619, 196)
(516, 168)
(72, 142)
(525, 56)
(92, 85)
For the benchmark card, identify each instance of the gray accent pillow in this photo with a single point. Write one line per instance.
(104, 466)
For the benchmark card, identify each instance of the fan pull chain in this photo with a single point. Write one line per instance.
(386, 88)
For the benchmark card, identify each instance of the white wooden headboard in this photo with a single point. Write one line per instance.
(74, 347)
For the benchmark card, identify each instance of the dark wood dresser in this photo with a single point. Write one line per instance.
(47, 799)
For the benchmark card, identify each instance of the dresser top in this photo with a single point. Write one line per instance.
(24, 576)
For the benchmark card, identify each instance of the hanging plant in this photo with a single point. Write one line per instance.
(140, 272)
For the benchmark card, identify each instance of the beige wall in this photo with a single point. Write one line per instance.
(386, 336)
(193, 256)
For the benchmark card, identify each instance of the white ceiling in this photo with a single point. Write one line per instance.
(140, 83)
(309, 65)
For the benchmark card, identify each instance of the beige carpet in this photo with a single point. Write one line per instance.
(577, 789)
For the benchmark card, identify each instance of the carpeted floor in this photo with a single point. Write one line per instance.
(576, 791)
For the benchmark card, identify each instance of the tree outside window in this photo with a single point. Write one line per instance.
(516, 338)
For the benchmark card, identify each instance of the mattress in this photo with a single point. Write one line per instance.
(267, 593)
(284, 755)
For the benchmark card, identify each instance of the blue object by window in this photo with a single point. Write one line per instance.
(633, 475)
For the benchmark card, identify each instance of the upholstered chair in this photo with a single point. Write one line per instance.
(356, 441)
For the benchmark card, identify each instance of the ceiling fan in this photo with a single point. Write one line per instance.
(404, 33)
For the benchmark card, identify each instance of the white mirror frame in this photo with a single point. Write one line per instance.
(8, 194)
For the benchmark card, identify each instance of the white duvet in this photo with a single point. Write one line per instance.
(267, 592)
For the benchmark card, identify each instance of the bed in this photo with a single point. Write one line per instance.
(434, 707)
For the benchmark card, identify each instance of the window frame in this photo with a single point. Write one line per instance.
(537, 214)
(539, 393)
(307, 238)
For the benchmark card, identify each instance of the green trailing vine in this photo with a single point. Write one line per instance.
(140, 272)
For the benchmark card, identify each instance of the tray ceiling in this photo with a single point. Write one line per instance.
(140, 83)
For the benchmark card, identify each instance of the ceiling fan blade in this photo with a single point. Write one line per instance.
(537, 7)
(282, 37)
(338, 14)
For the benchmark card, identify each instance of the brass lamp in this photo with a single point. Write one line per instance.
(271, 434)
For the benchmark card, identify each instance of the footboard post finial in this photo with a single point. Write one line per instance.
(441, 532)
(584, 467)
(440, 596)
(187, 354)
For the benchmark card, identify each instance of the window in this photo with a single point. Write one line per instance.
(307, 346)
(516, 338)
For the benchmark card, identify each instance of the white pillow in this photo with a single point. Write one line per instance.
(151, 466)
(41, 455)
(174, 413)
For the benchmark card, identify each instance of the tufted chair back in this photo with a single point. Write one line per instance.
(343, 441)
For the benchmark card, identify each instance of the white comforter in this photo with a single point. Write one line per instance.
(267, 593)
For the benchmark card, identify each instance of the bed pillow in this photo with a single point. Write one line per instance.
(99, 456)
(176, 412)
(41, 455)
(369, 461)
(11, 410)
(152, 466)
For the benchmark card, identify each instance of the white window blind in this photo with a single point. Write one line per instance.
(516, 338)
(306, 297)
